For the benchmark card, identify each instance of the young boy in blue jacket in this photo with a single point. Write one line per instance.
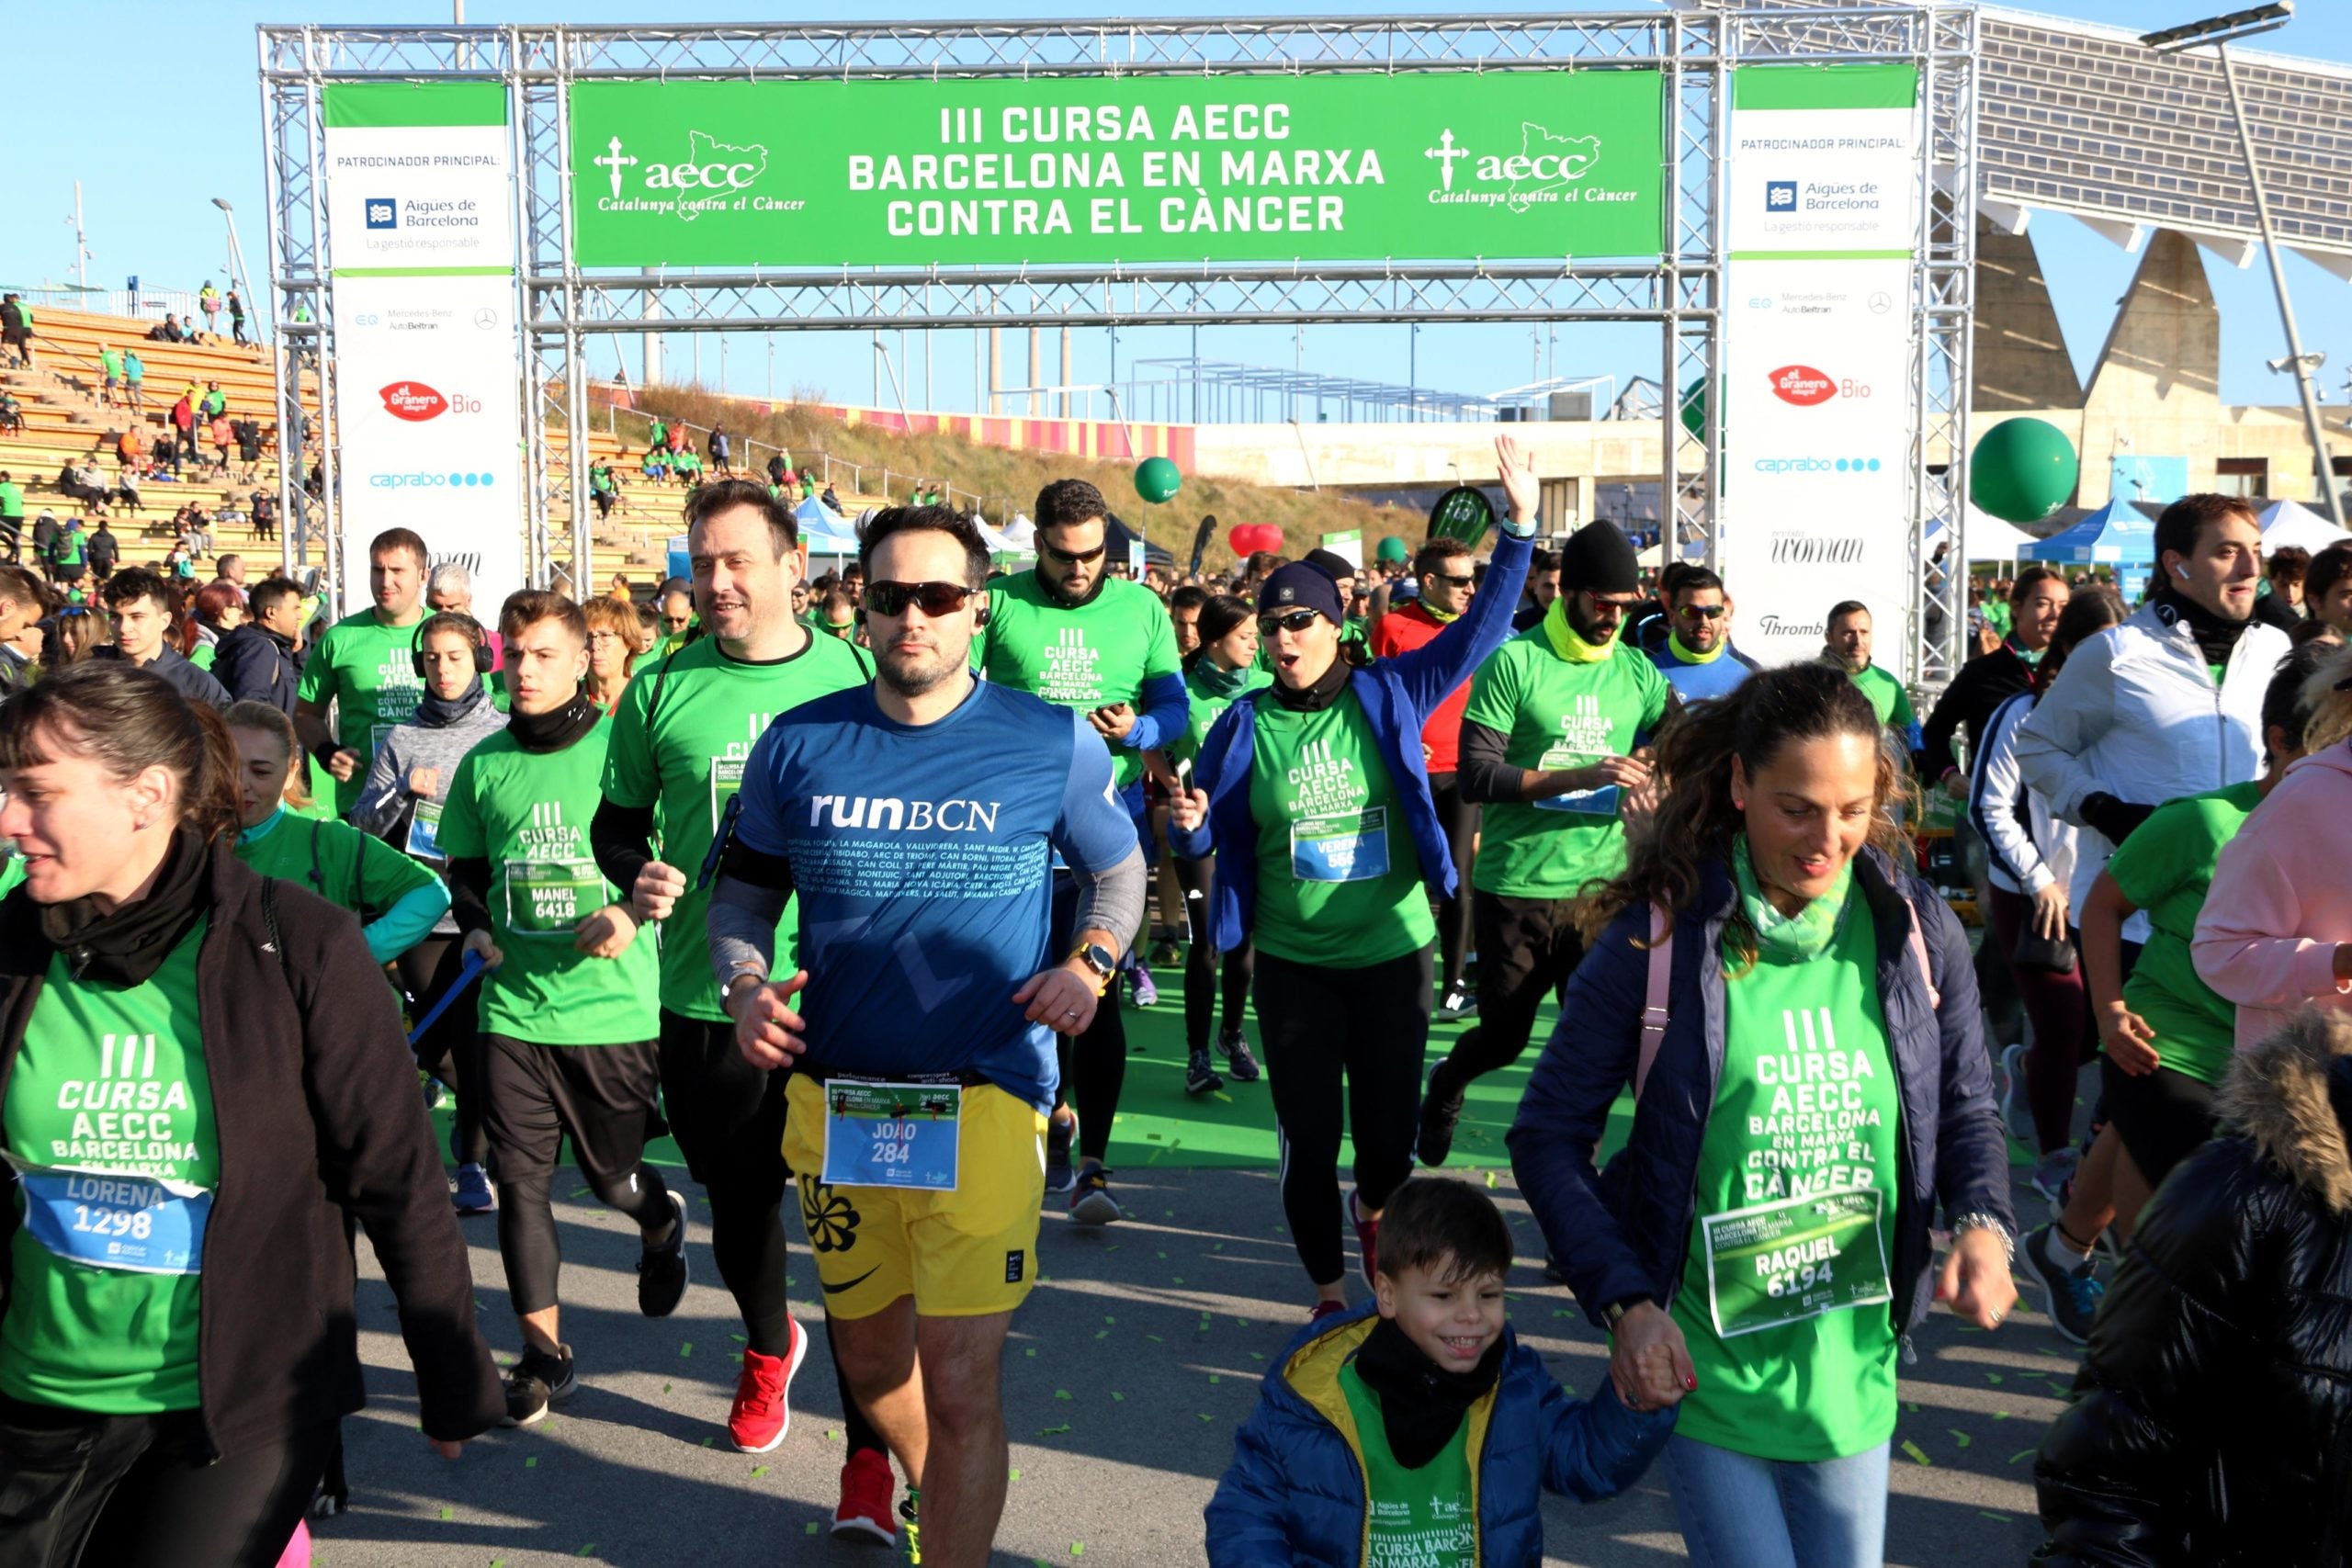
(1422, 1431)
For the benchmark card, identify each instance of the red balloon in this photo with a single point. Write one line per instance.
(1243, 538)
(1269, 537)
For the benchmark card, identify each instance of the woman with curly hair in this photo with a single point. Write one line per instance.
(1796, 1012)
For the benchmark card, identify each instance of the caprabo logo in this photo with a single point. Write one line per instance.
(424, 480)
(1545, 167)
(708, 178)
(1809, 465)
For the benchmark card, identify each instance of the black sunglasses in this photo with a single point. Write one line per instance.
(1451, 580)
(1701, 611)
(1288, 621)
(1072, 557)
(934, 599)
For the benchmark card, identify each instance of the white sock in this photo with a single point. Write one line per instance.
(2061, 1252)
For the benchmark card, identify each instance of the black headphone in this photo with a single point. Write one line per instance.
(452, 620)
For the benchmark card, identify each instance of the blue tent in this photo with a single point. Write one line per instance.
(825, 531)
(2118, 534)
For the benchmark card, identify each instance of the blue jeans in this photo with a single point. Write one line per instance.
(1737, 1511)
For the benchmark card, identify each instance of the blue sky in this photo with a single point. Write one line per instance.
(157, 126)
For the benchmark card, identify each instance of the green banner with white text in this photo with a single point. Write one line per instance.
(1100, 171)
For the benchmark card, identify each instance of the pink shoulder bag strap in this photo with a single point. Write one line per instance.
(1654, 1012)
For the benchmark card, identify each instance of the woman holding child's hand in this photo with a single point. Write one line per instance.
(1797, 1015)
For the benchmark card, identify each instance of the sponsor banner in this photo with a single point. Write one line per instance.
(1347, 546)
(1094, 171)
(428, 403)
(430, 415)
(418, 175)
(1817, 420)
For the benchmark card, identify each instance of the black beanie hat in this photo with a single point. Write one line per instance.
(1599, 560)
(1330, 563)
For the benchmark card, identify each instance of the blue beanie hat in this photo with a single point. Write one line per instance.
(1300, 586)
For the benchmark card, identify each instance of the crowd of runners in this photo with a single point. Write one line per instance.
(818, 885)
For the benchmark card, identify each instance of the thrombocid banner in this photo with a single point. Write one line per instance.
(1103, 170)
(429, 403)
(1818, 422)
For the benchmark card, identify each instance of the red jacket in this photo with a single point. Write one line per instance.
(1401, 630)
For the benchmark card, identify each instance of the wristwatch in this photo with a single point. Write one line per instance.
(727, 986)
(1100, 959)
(1614, 1312)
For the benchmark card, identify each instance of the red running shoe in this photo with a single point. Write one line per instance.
(1325, 1309)
(868, 1488)
(762, 1412)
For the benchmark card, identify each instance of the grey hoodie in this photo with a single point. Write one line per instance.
(386, 805)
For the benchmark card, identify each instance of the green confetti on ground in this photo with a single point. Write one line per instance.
(1217, 1247)
(832, 1436)
(1078, 1549)
(1993, 1378)
(1109, 1319)
(758, 1471)
(1241, 1323)
(1220, 1094)
(1167, 1214)
(1053, 1431)
(812, 1527)
(1152, 1136)
(2022, 1453)
(1112, 1247)
(1213, 1378)
(1154, 1338)
(686, 1348)
(531, 1463)
(1562, 1312)
(1118, 1396)
(1991, 1514)
(580, 1191)
(1061, 1394)
(1957, 1435)
(1016, 1475)
(586, 1550)
(1911, 1407)
(1177, 1278)
(2000, 1416)
(449, 1512)
(1101, 1333)
(705, 1442)
(1206, 1417)
(1030, 1352)
(1915, 1452)
(1163, 1258)
(665, 1388)
(1257, 1356)
(1490, 1180)
(740, 1339)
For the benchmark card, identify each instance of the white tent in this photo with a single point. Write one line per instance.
(1985, 538)
(2286, 523)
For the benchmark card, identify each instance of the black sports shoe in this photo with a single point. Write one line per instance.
(1234, 1046)
(2070, 1296)
(1062, 1132)
(662, 1270)
(1198, 1077)
(1441, 1110)
(537, 1381)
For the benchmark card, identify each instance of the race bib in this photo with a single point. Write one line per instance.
(138, 1224)
(1601, 802)
(1781, 1263)
(424, 833)
(726, 782)
(547, 898)
(892, 1134)
(375, 733)
(1351, 847)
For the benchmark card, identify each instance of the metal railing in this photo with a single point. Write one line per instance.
(829, 467)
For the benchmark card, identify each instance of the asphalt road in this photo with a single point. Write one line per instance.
(1137, 1355)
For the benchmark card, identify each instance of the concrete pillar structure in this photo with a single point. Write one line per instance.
(2020, 360)
(2157, 390)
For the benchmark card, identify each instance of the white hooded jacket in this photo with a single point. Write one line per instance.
(2135, 715)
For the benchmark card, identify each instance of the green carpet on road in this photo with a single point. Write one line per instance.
(1161, 1126)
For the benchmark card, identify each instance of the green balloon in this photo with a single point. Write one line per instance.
(1391, 548)
(1157, 479)
(1694, 407)
(2022, 470)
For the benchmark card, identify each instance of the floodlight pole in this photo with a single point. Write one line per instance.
(2303, 380)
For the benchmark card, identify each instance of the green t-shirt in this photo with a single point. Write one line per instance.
(1208, 703)
(110, 1083)
(1426, 1517)
(2166, 867)
(68, 550)
(350, 869)
(679, 742)
(1338, 878)
(527, 814)
(1998, 615)
(110, 361)
(1083, 658)
(201, 655)
(1799, 1151)
(1555, 714)
(600, 479)
(12, 499)
(368, 670)
(1887, 697)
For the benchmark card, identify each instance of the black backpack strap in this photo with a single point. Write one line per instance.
(269, 923)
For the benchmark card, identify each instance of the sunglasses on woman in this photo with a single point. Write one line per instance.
(934, 599)
(1289, 621)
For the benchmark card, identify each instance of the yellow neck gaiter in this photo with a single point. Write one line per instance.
(1564, 641)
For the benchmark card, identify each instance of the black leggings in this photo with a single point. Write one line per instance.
(78, 1488)
(727, 1117)
(1094, 1064)
(1527, 948)
(602, 1096)
(451, 1049)
(1459, 819)
(1371, 1027)
(1202, 964)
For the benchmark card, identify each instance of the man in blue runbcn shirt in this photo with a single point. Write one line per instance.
(917, 818)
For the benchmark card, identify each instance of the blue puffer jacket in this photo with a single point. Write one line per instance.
(1624, 1232)
(1294, 1495)
(1397, 695)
